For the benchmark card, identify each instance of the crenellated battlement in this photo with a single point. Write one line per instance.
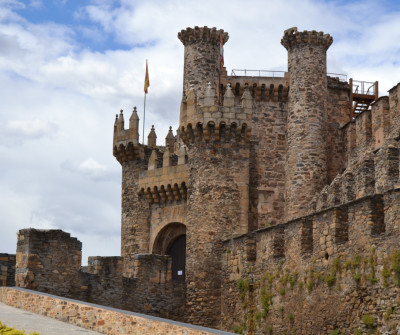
(211, 35)
(126, 141)
(230, 122)
(293, 37)
(261, 88)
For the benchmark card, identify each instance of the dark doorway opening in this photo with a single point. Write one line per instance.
(177, 251)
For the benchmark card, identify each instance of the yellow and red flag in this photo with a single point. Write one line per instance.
(221, 50)
(146, 79)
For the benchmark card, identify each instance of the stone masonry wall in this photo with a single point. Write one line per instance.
(7, 270)
(267, 169)
(98, 318)
(338, 114)
(306, 164)
(334, 270)
(217, 177)
(50, 261)
(135, 220)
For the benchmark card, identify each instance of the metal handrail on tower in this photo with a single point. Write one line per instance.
(278, 74)
(362, 94)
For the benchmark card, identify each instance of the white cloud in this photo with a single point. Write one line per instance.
(30, 129)
(90, 168)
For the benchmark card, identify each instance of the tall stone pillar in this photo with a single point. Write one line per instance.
(202, 58)
(306, 163)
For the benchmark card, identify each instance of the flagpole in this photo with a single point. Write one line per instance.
(144, 116)
(146, 85)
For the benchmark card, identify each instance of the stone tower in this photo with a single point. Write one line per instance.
(135, 211)
(218, 147)
(306, 164)
(202, 58)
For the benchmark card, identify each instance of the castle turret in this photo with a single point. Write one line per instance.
(202, 59)
(135, 211)
(170, 140)
(152, 138)
(306, 164)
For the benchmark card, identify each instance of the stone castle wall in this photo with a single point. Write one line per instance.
(49, 261)
(333, 270)
(7, 269)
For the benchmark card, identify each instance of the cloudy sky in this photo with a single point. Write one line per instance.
(68, 66)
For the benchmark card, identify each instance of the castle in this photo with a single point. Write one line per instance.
(274, 209)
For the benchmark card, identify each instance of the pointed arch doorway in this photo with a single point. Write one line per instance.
(171, 240)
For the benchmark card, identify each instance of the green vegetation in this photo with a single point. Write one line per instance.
(12, 331)
(368, 320)
(389, 312)
(386, 273)
(277, 284)
(243, 287)
(330, 279)
(238, 329)
(396, 266)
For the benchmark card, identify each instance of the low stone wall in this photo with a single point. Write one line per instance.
(98, 318)
(7, 270)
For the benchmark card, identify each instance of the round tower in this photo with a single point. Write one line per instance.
(202, 63)
(306, 160)
(217, 139)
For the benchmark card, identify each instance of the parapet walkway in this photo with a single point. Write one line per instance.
(29, 322)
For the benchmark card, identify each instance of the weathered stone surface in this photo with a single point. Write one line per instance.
(97, 318)
(7, 269)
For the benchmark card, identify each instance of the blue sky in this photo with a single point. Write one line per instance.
(67, 67)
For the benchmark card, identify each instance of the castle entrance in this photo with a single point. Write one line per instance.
(178, 255)
(171, 240)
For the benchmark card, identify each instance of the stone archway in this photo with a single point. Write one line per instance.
(171, 240)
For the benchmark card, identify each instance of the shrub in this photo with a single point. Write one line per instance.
(11, 331)
(243, 287)
(368, 320)
(330, 280)
(238, 329)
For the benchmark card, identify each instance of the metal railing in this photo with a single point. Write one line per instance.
(340, 76)
(363, 87)
(277, 74)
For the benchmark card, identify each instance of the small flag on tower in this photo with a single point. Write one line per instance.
(146, 79)
(221, 50)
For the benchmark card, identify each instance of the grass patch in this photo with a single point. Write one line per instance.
(12, 331)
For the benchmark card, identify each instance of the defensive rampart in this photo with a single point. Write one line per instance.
(49, 261)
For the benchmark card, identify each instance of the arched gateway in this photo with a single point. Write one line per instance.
(171, 240)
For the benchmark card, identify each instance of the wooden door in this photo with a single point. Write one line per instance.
(178, 254)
